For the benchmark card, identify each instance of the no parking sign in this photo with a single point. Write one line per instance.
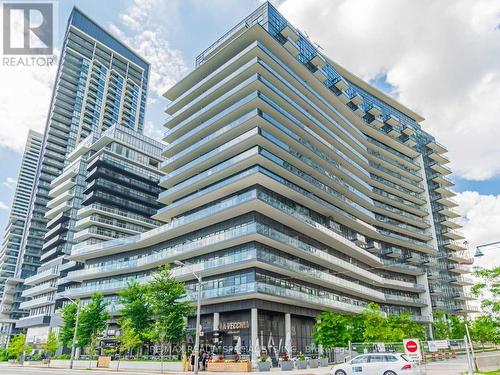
(412, 349)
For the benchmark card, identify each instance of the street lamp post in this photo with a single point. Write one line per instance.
(198, 318)
(73, 344)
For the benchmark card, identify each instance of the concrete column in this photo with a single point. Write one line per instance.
(216, 321)
(288, 324)
(254, 329)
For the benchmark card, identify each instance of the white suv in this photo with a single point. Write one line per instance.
(376, 364)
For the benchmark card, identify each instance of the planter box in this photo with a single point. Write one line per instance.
(286, 365)
(323, 362)
(301, 365)
(229, 366)
(138, 366)
(313, 363)
(264, 366)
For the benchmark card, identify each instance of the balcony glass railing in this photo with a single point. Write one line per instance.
(395, 163)
(396, 175)
(397, 187)
(400, 212)
(401, 200)
(399, 299)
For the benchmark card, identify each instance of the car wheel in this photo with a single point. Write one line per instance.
(390, 373)
(340, 372)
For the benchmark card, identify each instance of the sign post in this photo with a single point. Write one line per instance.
(412, 349)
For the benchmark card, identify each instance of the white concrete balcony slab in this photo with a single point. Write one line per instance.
(341, 84)
(392, 120)
(39, 289)
(42, 276)
(357, 99)
(292, 47)
(408, 131)
(375, 110)
(394, 133)
(437, 147)
(318, 61)
(461, 258)
(459, 268)
(393, 252)
(37, 302)
(289, 32)
(440, 158)
(320, 74)
(461, 281)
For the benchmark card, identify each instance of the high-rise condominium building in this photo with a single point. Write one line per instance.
(10, 290)
(100, 82)
(292, 187)
(109, 189)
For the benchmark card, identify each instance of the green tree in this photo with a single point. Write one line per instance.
(129, 338)
(457, 327)
(403, 326)
(486, 328)
(376, 325)
(68, 317)
(440, 325)
(18, 346)
(169, 307)
(93, 320)
(51, 345)
(488, 290)
(332, 330)
(136, 312)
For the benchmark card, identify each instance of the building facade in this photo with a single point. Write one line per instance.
(10, 262)
(100, 82)
(292, 187)
(109, 189)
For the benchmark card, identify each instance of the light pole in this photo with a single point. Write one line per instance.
(198, 318)
(479, 252)
(73, 344)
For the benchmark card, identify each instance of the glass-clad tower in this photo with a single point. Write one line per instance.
(109, 189)
(293, 187)
(10, 292)
(100, 82)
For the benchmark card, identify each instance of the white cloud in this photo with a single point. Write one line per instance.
(24, 99)
(143, 28)
(3, 206)
(480, 217)
(153, 131)
(441, 57)
(24, 103)
(10, 183)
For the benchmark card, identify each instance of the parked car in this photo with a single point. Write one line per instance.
(376, 364)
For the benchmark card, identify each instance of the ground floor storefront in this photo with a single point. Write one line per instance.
(256, 326)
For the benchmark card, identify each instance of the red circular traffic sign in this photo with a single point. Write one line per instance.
(411, 346)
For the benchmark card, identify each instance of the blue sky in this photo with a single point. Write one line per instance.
(418, 60)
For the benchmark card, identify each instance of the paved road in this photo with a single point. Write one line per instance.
(450, 367)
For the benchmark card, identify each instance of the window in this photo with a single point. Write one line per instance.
(390, 358)
(377, 358)
(360, 359)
